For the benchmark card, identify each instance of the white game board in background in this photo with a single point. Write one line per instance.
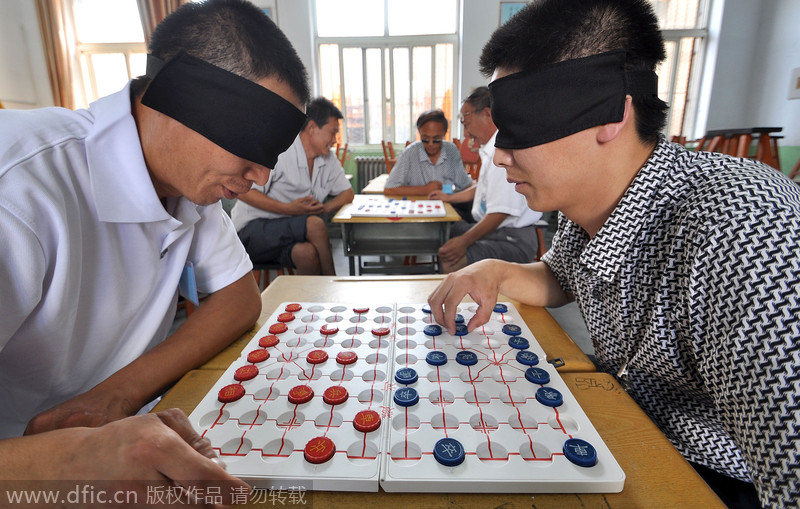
(511, 442)
(382, 206)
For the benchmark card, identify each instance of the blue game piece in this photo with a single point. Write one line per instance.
(406, 396)
(461, 330)
(512, 330)
(580, 452)
(432, 330)
(459, 318)
(549, 396)
(537, 376)
(449, 452)
(527, 358)
(466, 358)
(500, 308)
(426, 309)
(436, 358)
(406, 376)
(518, 342)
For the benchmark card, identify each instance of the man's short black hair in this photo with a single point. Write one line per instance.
(479, 99)
(321, 110)
(234, 35)
(549, 31)
(432, 116)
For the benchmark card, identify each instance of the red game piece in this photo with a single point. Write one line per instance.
(360, 310)
(247, 372)
(335, 395)
(366, 421)
(381, 331)
(293, 308)
(319, 450)
(268, 341)
(317, 356)
(300, 394)
(329, 330)
(278, 328)
(230, 393)
(258, 356)
(285, 317)
(346, 357)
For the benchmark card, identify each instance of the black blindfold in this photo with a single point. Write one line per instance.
(553, 101)
(235, 113)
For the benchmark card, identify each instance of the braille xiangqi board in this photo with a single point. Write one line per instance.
(349, 398)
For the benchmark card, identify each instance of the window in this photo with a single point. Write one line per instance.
(383, 71)
(684, 25)
(109, 45)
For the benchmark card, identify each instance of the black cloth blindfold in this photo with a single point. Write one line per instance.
(235, 113)
(550, 102)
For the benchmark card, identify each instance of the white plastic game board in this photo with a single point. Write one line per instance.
(511, 442)
(381, 206)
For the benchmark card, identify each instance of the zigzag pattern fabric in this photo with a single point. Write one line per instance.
(693, 285)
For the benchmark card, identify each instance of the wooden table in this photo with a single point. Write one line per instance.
(357, 290)
(656, 474)
(392, 237)
(376, 185)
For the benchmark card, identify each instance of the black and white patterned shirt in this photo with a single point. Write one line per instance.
(694, 283)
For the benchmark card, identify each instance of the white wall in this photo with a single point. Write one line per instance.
(24, 83)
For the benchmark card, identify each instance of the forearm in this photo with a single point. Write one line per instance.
(533, 284)
(261, 201)
(485, 226)
(339, 201)
(224, 316)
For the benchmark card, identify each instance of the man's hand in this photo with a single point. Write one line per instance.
(306, 206)
(432, 186)
(453, 250)
(480, 280)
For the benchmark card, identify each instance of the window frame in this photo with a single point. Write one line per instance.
(386, 44)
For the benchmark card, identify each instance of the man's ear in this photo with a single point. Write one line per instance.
(609, 132)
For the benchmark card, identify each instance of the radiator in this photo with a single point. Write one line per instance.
(367, 168)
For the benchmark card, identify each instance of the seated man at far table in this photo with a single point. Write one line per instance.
(504, 224)
(281, 222)
(430, 164)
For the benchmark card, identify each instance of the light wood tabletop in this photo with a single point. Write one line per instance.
(401, 289)
(656, 473)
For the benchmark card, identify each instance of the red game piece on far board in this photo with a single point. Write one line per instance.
(319, 450)
(317, 356)
(293, 308)
(285, 317)
(268, 341)
(258, 356)
(346, 357)
(360, 310)
(328, 329)
(230, 393)
(380, 331)
(335, 395)
(278, 328)
(300, 394)
(247, 372)
(366, 421)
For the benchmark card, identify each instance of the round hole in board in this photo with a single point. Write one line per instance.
(328, 420)
(406, 453)
(441, 397)
(536, 454)
(483, 423)
(492, 454)
(374, 375)
(523, 423)
(438, 375)
(338, 309)
(362, 452)
(376, 358)
(358, 319)
(324, 341)
(407, 309)
(352, 342)
(563, 423)
(476, 397)
(291, 419)
(471, 376)
(406, 421)
(342, 374)
(378, 344)
(214, 418)
(406, 319)
(236, 447)
(370, 397)
(404, 332)
(315, 309)
(406, 359)
(384, 309)
(270, 393)
(281, 373)
(445, 422)
(405, 344)
(253, 418)
(513, 398)
(277, 450)
(334, 318)
(309, 318)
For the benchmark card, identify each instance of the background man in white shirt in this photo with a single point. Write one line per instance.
(281, 222)
(503, 227)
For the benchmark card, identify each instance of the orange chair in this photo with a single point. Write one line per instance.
(471, 158)
(341, 153)
(388, 155)
(795, 171)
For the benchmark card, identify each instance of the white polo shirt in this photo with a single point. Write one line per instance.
(495, 194)
(89, 258)
(290, 180)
